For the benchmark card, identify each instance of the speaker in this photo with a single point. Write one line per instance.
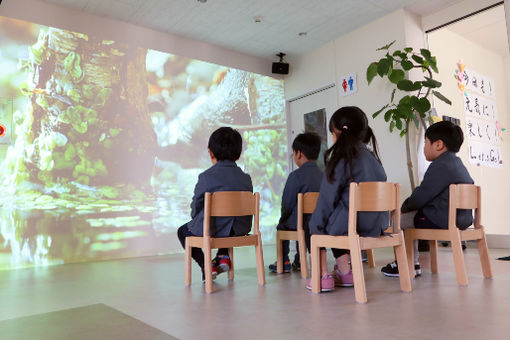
(280, 68)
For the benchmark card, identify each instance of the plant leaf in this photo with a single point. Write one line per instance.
(441, 97)
(371, 72)
(398, 123)
(383, 67)
(388, 114)
(421, 105)
(418, 59)
(403, 133)
(392, 126)
(431, 83)
(386, 47)
(426, 53)
(396, 75)
(393, 95)
(379, 111)
(407, 64)
(407, 85)
(408, 49)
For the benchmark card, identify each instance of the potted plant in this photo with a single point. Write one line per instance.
(414, 104)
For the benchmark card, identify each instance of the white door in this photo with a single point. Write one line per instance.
(305, 106)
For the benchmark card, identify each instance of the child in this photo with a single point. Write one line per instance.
(307, 178)
(348, 160)
(224, 147)
(429, 202)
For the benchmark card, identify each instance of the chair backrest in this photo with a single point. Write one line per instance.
(464, 196)
(307, 202)
(230, 204)
(374, 196)
(305, 205)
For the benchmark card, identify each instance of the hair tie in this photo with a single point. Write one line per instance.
(345, 127)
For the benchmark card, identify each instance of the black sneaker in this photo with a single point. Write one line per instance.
(296, 266)
(391, 269)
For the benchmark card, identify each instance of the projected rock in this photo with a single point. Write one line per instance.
(88, 121)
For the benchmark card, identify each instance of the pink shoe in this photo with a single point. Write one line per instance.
(345, 280)
(327, 283)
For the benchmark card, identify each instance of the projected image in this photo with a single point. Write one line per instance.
(104, 143)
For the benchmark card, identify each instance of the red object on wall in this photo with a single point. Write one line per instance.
(3, 130)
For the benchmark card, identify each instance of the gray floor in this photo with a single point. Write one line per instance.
(152, 293)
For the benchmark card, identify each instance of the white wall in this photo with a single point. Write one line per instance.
(353, 52)
(54, 16)
(449, 48)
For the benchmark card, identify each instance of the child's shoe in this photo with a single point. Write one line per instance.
(223, 264)
(343, 280)
(327, 283)
(391, 269)
(296, 266)
(286, 267)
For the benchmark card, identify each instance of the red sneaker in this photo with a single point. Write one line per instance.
(224, 264)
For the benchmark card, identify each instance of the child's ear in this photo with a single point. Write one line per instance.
(440, 145)
(211, 154)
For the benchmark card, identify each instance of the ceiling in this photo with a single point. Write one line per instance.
(230, 23)
(487, 29)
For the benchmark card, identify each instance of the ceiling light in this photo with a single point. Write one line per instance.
(302, 34)
(202, 1)
(257, 19)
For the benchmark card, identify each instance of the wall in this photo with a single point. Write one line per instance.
(55, 16)
(449, 48)
(353, 52)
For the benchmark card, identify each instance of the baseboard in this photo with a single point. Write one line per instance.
(498, 241)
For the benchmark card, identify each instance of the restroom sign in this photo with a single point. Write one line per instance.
(348, 84)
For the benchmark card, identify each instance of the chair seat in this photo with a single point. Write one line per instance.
(224, 242)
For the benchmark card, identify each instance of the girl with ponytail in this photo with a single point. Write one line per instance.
(347, 160)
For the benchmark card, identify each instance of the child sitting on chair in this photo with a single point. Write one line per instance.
(428, 205)
(347, 160)
(306, 178)
(225, 145)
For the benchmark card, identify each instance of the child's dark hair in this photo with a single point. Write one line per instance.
(370, 138)
(349, 124)
(451, 135)
(309, 144)
(226, 144)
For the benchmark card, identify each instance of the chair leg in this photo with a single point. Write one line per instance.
(302, 254)
(315, 263)
(409, 241)
(484, 257)
(370, 257)
(433, 256)
(208, 266)
(231, 270)
(260, 261)
(279, 253)
(187, 264)
(458, 257)
(360, 291)
(403, 267)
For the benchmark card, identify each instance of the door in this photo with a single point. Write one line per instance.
(311, 113)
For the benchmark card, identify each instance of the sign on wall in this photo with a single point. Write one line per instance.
(348, 84)
(483, 130)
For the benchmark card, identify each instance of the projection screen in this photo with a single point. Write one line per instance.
(103, 143)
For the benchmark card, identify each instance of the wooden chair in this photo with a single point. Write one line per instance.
(366, 196)
(462, 196)
(226, 204)
(306, 205)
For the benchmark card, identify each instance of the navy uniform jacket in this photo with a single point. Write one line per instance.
(223, 176)
(432, 197)
(307, 178)
(332, 212)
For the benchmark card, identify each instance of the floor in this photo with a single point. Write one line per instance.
(145, 298)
